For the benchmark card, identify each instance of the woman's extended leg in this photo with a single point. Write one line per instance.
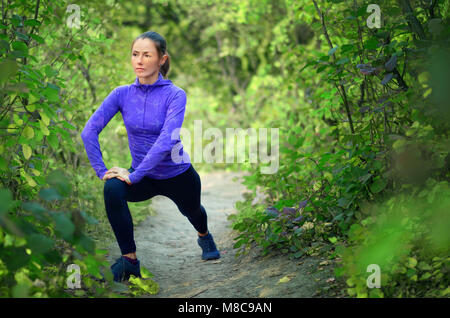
(184, 190)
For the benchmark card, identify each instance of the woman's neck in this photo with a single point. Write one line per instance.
(148, 80)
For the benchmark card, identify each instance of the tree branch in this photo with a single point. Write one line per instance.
(413, 22)
(341, 88)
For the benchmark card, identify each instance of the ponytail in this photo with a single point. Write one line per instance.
(165, 67)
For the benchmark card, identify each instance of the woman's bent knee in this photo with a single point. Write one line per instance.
(114, 187)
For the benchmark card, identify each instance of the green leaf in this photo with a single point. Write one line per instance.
(49, 71)
(28, 178)
(16, 20)
(20, 46)
(140, 286)
(92, 265)
(346, 47)
(308, 64)
(44, 128)
(26, 151)
(339, 271)
(88, 218)
(285, 279)
(87, 243)
(53, 141)
(32, 22)
(412, 262)
(425, 276)
(375, 293)
(28, 132)
(377, 164)
(38, 210)
(5, 200)
(58, 180)
(21, 290)
(332, 240)
(40, 243)
(355, 230)
(424, 266)
(49, 194)
(37, 38)
(53, 257)
(364, 178)
(371, 44)
(343, 61)
(21, 36)
(331, 51)
(8, 68)
(146, 273)
(63, 225)
(3, 164)
(387, 78)
(298, 231)
(4, 46)
(378, 185)
(15, 257)
(350, 282)
(33, 207)
(239, 243)
(51, 94)
(343, 202)
(68, 125)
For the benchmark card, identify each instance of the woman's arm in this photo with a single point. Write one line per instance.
(164, 143)
(94, 126)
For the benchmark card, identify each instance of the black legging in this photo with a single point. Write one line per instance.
(183, 189)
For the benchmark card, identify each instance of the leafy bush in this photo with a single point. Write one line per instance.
(369, 137)
(407, 237)
(38, 244)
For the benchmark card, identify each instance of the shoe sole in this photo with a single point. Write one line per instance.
(210, 258)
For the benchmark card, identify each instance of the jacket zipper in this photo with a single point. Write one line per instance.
(145, 107)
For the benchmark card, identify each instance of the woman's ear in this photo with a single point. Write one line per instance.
(164, 59)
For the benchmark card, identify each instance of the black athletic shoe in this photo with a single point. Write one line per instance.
(122, 269)
(208, 246)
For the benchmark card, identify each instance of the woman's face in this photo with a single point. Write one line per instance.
(145, 59)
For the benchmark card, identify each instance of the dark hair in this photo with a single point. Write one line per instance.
(160, 44)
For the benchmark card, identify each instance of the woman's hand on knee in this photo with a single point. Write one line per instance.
(119, 173)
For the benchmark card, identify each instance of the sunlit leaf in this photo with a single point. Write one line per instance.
(285, 279)
(26, 151)
(28, 132)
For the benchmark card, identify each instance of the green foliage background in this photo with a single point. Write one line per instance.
(363, 117)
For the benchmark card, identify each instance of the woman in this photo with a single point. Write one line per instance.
(153, 110)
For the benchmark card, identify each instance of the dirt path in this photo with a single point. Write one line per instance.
(167, 247)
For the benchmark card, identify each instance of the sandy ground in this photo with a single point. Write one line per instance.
(167, 247)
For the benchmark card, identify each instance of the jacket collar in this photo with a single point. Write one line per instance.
(159, 82)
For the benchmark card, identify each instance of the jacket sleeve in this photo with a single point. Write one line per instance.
(94, 126)
(164, 143)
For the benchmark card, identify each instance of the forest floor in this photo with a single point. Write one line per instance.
(167, 247)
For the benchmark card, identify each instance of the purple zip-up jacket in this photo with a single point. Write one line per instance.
(151, 112)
